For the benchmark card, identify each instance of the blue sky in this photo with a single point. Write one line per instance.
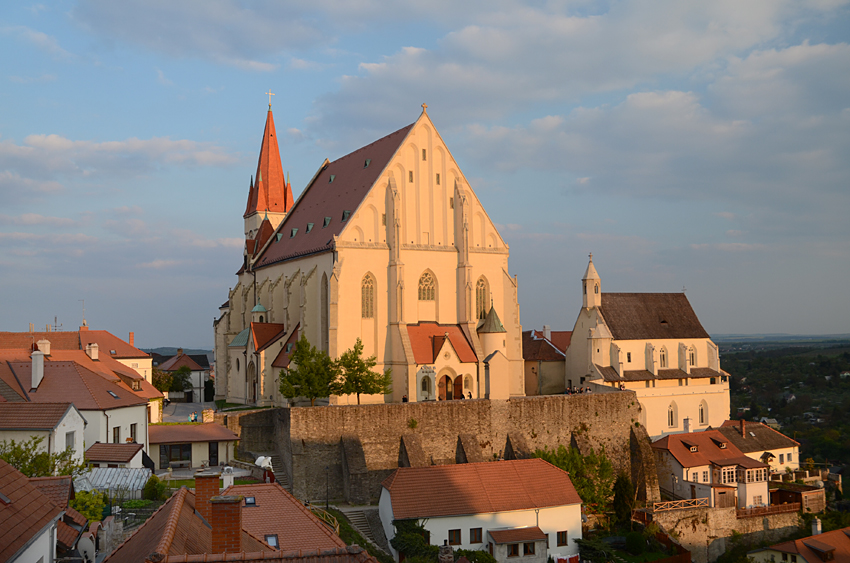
(699, 145)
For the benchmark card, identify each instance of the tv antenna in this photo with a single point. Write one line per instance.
(56, 325)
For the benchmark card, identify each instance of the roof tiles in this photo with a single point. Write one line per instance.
(642, 316)
(757, 436)
(426, 339)
(112, 453)
(32, 416)
(185, 433)
(709, 451)
(27, 513)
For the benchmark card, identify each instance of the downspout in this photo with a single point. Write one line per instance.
(106, 441)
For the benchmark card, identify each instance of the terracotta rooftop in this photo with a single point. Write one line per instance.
(265, 334)
(338, 187)
(32, 416)
(350, 554)
(185, 433)
(176, 362)
(837, 542)
(278, 512)
(269, 190)
(758, 437)
(443, 490)
(73, 340)
(112, 453)
(57, 489)
(514, 535)
(282, 359)
(539, 349)
(709, 450)
(609, 373)
(642, 316)
(176, 528)
(427, 339)
(26, 513)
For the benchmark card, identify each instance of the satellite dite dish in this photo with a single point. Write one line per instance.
(85, 545)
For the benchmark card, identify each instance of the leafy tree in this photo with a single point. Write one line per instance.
(312, 374)
(89, 504)
(209, 390)
(154, 489)
(624, 498)
(28, 458)
(161, 379)
(592, 475)
(181, 379)
(357, 374)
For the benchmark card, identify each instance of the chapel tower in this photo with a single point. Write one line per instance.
(591, 294)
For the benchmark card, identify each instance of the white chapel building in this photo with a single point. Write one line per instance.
(388, 244)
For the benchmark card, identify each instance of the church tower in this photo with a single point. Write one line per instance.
(269, 194)
(591, 294)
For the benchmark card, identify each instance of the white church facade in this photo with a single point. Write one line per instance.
(388, 244)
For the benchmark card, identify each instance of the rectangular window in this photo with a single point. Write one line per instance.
(438, 178)
(647, 384)
(793, 559)
(781, 458)
(757, 500)
(788, 457)
(513, 550)
(628, 357)
(69, 440)
(424, 154)
(451, 203)
(133, 431)
(454, 537)
(475, 535)
(383, 219)
(785, 557)
(705, 476)
(680, 383)
(410, 176)
(695, 477)
(562, 538)
(271, 539)
(528, 548)
(116, 435)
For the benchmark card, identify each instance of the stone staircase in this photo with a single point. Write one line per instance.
(358, 520)
(279, 473)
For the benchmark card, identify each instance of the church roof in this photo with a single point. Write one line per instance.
(333, 196)
(427, 339)
(590, 273)
(643, 316)
(492, 323)
(266, 333)
(241, 339)
(537, 348)
(270, 191)
(282, 359)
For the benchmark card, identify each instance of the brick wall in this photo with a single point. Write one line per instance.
(206, 487)
(226, 522)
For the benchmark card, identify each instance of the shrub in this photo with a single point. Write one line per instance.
(475, 556)
(154, 489)
(136, 504)
(89, 504)
(412, 424)
(635, 543)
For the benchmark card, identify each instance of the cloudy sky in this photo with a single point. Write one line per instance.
(703, 145)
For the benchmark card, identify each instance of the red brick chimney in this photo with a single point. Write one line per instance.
(132, 338)
(226, 524)
(206, 487)
(743, 433)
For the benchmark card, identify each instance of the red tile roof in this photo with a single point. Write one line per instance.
(350, 554)
(757, 436)
(282, 359)
(427, 338)
(708, 451)
(176, 362)
(559, 338)
(66, 536)
(112, 453)
(352, 181)
(642, 316)
(265, 334)
(76, 340)
(539, 349)
(839, 540)
(514, 535)
(185, 433)
(32, 416)
(25, 515)
(278, 512)
(444, 490)
(270, 191)
(57, 489)
(107, 342)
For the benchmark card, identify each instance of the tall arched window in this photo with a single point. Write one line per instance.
(692, 356)
(481, 298)
(367, 297)
(426, 385)
(427, 287)
(596, 288)
(662, 358)
(671, 415)
(703, 413)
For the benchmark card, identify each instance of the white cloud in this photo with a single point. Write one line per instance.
(45, 43)
(159, 264)
(160, 77)
(36, 219)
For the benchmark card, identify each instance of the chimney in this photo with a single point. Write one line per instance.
(180, 351)
(85, 326)
(743, 433)
(687, 424)
(44, 346)
(226, 524)
(132, 338)
(446, 553)
(92, 350)
(547, 332)
(206, 487)
(37, 368)
(816, 529)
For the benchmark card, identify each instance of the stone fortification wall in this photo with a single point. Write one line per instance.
(351, 449)
(255, 429)
(707, 532)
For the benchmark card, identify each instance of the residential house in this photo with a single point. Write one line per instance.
(525, 508)
(388, 238)
(191, 445)
(654, 345)
(544, 353)
(199, 366)
(60, 425)
(817, 548)
(759, 441)
(28, 519)
(707, 465)
(127, 455)
(60, 491)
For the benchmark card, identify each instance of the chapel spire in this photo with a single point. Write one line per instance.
(590, 286)
(270, 192)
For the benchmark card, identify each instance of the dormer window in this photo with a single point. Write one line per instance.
(327, 222)
(292, 234)
(346, 215)
(332, 178)
(279, 236)
(136, 386)
(694, 449)
(309, 228)
(367, 163)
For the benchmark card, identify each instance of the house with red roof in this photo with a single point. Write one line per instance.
(190, 445)
(706, 465)
(60, 426)
(543, 352)
(653, 345)
(526, 509)
(388, 244)
(199, 372)
(817, 548)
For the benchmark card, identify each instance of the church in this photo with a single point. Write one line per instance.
(388, 244)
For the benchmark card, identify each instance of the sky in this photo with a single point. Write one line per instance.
(702, 146)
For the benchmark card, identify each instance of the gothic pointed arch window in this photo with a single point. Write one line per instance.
(482, 292)
(703, 413)
(692, 356)
(672, 416)
(662, 358)
(427, 287)
(367, 297)
(596, 288)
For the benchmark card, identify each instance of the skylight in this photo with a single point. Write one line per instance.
(114, 396)
(112, 352)
(271, 539)
(250, 501)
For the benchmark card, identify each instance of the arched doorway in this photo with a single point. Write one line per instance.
(445, 388)
(458, 387)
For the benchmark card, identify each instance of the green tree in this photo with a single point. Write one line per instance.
(312, 374)
(357, 375)
(89, 504)
(154, 489)
(624, 498)
(592, 475)
(161, 380)
(28, 458)
(181, 379)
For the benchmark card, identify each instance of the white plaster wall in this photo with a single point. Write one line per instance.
(44, 545)
(655, 401)
(775, 466)
(54, 441)
(99, 430)
(143, 366)
(747, 492)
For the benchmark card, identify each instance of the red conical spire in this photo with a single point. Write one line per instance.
(270, 192)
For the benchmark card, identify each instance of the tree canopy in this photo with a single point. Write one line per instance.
(312, 374)
(357, 375)
(30, 459)
(592, 475)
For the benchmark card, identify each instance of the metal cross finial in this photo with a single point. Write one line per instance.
(270, 97)
(591, 256)
(424, 108)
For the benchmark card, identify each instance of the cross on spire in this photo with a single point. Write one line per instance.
(270, 93)
(424, 108)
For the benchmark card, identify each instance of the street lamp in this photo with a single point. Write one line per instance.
(327, 488)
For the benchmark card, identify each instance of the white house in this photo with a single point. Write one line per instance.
(759, 441)
(190, 445)
(706, 465)
(525, 508)
(60, 425)
(199, 368)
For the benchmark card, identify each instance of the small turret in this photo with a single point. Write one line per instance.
(259, 314)
(591, 290)
(492, 333)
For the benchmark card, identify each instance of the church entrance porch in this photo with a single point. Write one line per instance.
(445, 389)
